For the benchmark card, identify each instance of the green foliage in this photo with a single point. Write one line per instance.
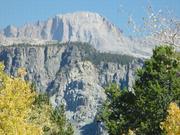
(157, 85)
(41, 113)
(59, 118)
(117, 110)
(53, 120)
(41, 99)
(96, 57)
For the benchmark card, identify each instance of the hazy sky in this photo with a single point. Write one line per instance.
(19, 12)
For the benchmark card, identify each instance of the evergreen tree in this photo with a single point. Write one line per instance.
(157, 85)
(59, 118)
(52, 120)
(41, 113)
(117, 110)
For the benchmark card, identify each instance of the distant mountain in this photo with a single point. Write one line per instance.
(79, 26)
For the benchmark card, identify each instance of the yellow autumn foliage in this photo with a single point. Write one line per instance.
(21, 72)
(172, 123)
(41, 115)
(130, 132)
(16, 98)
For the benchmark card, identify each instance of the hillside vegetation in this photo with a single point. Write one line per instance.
(24, 112)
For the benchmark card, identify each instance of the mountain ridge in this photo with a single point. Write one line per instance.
(79, 26)
(68, 73)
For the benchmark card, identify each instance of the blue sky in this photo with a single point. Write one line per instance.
(19, 12)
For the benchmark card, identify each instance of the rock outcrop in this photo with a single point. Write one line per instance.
(72, 74)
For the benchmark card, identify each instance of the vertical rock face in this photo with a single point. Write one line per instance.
(70, 76)
(79, 26)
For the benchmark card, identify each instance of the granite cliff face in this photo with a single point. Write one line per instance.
(74, 74)
(79, 26)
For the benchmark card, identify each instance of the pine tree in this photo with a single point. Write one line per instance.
(117, 110)
(156, 86)
(41, 113)
(59, 118)
(52, 120)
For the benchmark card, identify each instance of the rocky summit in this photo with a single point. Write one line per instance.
(79, 26)
(74, 74)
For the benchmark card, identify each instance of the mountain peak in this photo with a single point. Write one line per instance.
(79, 14)
(78, 26)
(10, 31)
